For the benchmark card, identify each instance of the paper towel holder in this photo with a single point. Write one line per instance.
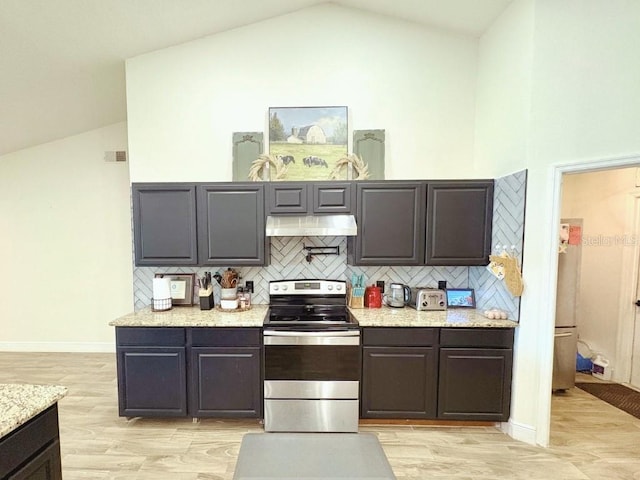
(160, 304)
(161, 299)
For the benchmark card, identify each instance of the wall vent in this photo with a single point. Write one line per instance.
(115, 156)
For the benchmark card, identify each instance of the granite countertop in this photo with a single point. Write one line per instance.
(254, 317)
(409, 317)
(193, 317)
(20, 403)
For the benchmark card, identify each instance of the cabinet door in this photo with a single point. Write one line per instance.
(44, 466)
(231, 229)
(459, 220)
(164, 224)
(399, 382)
(152, 381)
(475, 384)
(288, 197)
(331, 197)
(390, 219)
(225, 382)
(32, 450)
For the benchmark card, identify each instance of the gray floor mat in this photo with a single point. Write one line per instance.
(330, 456)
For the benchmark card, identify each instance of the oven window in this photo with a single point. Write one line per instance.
(312, 362)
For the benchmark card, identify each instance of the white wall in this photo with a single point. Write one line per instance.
(586, 97)
(502, 146)
(185, 102)
(65, 247)
(602, 199)
(584, 106)
(503, 105)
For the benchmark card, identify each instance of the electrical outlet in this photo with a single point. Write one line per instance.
(248, 286)
(380, 284)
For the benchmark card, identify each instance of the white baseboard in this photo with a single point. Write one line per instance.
(94, 347)
(519, 431)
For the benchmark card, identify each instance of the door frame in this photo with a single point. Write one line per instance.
(546, 348)
(629, 291)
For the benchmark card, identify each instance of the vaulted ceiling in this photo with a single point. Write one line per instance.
(62, 61)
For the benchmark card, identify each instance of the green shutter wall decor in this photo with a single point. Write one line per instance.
(247, 146)
(369, 146)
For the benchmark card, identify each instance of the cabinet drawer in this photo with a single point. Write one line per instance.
(20, 444)
(225, 337)
(477, 337)
(150, 336)
(390, 336)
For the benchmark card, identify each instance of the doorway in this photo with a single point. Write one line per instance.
(608, 201)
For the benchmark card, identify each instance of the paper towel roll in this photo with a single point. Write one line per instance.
(161, 288)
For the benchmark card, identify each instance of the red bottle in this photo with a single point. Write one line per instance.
(372, 297)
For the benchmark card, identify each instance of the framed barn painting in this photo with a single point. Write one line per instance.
(308, 140)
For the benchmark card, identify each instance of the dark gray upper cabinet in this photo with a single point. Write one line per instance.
(288, 197)
(390, 218)
(331, 197)
(306, 198)
(164, 221)
(231, 225)
(459, 220)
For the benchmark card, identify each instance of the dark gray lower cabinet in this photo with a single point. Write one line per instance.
(152, 371)
(399, 372)
(152, 381)
(225, 373)
(44, 466)
(32, 452)
(399, 382)
(437, 373)
(475, 374)
(202, 372)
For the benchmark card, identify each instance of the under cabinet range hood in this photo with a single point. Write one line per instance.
(311, 226)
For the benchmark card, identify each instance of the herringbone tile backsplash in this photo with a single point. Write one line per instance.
(288, 261)
(508, 233)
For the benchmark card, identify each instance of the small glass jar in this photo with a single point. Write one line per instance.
(242, 303)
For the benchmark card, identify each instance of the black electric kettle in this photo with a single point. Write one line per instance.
(398, 296)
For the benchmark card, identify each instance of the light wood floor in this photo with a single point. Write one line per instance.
(590, 439)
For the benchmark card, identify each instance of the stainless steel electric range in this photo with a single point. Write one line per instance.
(311, 358)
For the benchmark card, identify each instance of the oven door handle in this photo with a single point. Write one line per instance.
(330, 333)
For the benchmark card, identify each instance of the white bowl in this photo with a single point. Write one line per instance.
(227, 304)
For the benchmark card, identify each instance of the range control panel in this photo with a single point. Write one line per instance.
(307, 287)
